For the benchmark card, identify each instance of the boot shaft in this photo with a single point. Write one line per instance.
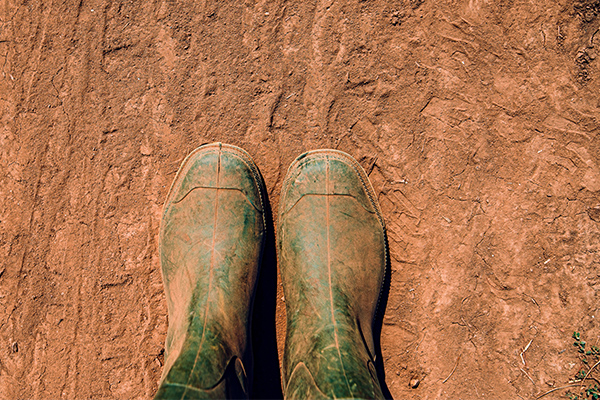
(332, 256)
(211, 239)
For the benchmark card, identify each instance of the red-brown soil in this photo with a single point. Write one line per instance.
(477, 120)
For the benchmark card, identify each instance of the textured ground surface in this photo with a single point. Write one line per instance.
(478, 122)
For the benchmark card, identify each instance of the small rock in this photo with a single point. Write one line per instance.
(15, 347)
(414, 383)
(145, 150)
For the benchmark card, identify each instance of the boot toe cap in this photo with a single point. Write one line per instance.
(220, 166)
(327, 172)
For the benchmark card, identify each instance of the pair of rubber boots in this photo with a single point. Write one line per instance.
(332, 256)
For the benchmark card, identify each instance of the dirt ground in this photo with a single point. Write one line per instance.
(477, 120)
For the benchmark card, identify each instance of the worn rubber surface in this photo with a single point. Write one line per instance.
(211, 238)
(332, 257)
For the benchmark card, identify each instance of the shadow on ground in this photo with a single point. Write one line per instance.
(266, 380)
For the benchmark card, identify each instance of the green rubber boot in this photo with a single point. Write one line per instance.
(332, 257)
(211, 239)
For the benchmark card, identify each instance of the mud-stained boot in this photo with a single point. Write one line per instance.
(210, 244)
(332, 257)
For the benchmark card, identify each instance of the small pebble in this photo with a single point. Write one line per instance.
(414, 383)
(145, 150)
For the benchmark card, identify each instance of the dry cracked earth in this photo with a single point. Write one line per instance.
(478, 122)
